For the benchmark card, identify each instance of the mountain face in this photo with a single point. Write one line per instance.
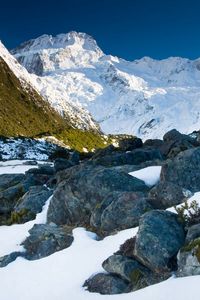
(22, 109)
(145, 97)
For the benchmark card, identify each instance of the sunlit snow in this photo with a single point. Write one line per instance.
(150, 175)
(61, 275)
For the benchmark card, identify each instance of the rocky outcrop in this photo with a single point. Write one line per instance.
(189, 254)
(107, 284)
(46, 239)
(183, 170)
(159, 238)
(166, 194)
(31, 203)
(148, 258)
(83, 188)
(134, 157)
(130, 206)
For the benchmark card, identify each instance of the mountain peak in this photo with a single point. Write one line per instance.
(60, 41)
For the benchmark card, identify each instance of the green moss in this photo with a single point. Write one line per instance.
(135, 276)
(20, 216)
(194, 245)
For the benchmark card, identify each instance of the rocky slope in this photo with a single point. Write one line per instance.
(93, 192)
(144, 97)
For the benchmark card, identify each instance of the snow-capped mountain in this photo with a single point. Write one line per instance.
(76, 115)
(144, 97)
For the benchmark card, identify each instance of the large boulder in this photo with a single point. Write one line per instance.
(159, 238)
(134, 157)
(128, 205)
(45, 239)
(31, 203)
(166, 194)
(184, 170)
(83, 188)
(132, 271)
(175, 142)
(107, 284)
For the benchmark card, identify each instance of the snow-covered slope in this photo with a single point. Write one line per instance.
(61, 275)
(76, 115)
(145, 97)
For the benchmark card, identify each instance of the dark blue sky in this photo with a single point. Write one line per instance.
(126, 28)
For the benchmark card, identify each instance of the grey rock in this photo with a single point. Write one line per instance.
(9, 197)
(184, 170)
(175, 142)
(8, 180)
(189, 259)
(125, 267)
(45, 169)
(62, 164)
(7, 259)
(128, 205)
(132, 271)
(166, 194)
(107, 284)
(193, 233)
(159, 238)
(82, 188)
(134, 157)
(32, 202)
(131, 143)
(46, 239)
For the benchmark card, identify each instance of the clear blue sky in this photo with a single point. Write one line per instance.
(127, 28)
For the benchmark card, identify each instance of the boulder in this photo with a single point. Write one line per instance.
(107, 284)
(43, 169)
(174, 135)
(193, 233)
(8, 180)
(159, 238)
(127, 268)
(131, 143)
(83, 188)
(7, 259)
(189, 259)
(183, 170)
(9, 197)
(130, 206)
(46, 239)
(134, 157)
(166, 194)
(175, 142)
(31, 203)
(132, 271)
(62, 164)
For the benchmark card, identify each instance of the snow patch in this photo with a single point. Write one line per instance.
(150, 175)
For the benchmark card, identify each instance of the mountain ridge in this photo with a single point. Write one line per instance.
(145, 97)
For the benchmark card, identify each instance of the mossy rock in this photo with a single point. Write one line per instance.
(193, 246)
